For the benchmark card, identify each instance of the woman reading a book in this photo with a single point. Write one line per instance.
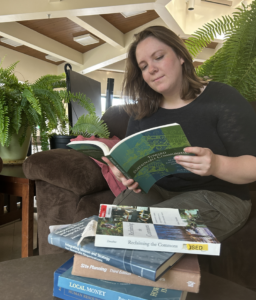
(219, 123)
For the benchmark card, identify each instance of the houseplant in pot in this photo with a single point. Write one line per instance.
(235, 62)
(35, 109)
(87, 125)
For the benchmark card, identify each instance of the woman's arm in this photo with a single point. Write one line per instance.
(237, 170)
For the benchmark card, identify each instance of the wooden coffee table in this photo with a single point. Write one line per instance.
(13, 182)
(32, 278)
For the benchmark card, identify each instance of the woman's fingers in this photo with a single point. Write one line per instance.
(202, 164)
(107, 161)
(129, 183)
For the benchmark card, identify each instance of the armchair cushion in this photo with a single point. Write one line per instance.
(68, 169)
(117, 119)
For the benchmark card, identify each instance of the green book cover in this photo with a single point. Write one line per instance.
(146, 156)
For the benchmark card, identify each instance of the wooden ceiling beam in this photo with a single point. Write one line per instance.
(102, 29)
(39, 42)
(16, 10)
(106, 54)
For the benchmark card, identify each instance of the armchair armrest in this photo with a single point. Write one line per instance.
(68, 169)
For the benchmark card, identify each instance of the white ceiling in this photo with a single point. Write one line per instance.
(172, 14)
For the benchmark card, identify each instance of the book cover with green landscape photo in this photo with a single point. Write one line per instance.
(148, 155)
(154, 229)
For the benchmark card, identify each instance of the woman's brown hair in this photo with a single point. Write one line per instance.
(145, 100)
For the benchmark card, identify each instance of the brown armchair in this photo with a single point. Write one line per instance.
(70, 186)
(1, 164)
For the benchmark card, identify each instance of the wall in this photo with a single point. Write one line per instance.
(28, 68)
(102, 76)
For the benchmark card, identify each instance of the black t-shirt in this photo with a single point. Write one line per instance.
(219, 119)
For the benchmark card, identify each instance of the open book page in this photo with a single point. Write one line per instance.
(89, 230)
(94, 147)
(90, 147)
(53, 228)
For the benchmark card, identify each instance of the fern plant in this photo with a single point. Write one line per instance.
(235, 62)
(40, 107)
(88, 125)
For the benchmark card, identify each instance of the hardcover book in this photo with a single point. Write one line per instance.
(154, 229)
(67, 294)
(183, 276)
(146, 156)
(147, 264)
(112, 290)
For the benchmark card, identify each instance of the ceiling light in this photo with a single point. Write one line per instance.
(53, 58)
(191, 4)
(86, 39)
(10, 42)
(129, 14)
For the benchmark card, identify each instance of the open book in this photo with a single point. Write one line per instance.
(146, 156)
(154, 229)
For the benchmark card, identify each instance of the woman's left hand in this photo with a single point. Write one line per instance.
(203, 163)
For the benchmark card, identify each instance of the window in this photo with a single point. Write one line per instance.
(115, 101)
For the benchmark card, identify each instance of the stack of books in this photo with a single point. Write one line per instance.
(125, 258)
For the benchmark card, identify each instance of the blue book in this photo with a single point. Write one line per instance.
(67, 294)
(111, 290)
(147, 264)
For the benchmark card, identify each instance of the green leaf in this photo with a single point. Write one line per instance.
(33, 100)
(88, 125)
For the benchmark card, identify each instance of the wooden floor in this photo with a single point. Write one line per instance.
(10, 240)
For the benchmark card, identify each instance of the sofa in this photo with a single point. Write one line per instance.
(70, 187)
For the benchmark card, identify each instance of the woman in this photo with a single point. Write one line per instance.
(219, 123)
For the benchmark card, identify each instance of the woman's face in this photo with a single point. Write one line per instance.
(160, 66)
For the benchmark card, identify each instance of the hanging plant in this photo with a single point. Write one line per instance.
(235, 62)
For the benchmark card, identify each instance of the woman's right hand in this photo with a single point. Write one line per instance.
(129, 183)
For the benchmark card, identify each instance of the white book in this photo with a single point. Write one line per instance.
(154, 229)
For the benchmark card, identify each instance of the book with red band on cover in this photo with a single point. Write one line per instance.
(154, 229)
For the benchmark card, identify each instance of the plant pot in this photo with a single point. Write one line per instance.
(16, 154)
(61, 141)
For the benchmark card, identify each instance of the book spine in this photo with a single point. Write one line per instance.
(70, 295)
(97, 254)
(119, 167)
(67, 294)
(153, 245)
(91, 290)
(172, 279)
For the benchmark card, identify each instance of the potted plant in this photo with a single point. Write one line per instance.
(35, 109)
(235, 62)
(86, 125)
